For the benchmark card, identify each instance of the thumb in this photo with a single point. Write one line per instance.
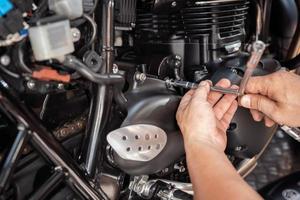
(202, 91)
(260, 103)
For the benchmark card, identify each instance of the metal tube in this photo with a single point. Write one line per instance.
(108, 34)
(258, 20)
(63, 161)
(99, 119)
(103, 97)
(45, 142)
(48, 186)
(12, 157)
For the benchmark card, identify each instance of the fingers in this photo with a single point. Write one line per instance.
(198, 95)
(229, 114)
(186, 99)
(214, 97)
(257, 116)
(260, 103)
(258, 85)
(269, 122)
(202, 91)
(224, 104)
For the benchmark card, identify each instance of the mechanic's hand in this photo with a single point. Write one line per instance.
(275, 98)
(204, 116)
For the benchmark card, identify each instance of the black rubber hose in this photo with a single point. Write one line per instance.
(293, 63)
(94, 7)
(20, 57)
(8, 72)
(94, 33)
(106, 79)
(120, 99)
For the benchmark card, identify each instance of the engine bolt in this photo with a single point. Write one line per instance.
(174, 4)
(31, 84)
(166, 170)
(115, 69)
(60, 86)
(233, 71)
(76, 34)
(140, 77)
(238, 148)
(5, 60)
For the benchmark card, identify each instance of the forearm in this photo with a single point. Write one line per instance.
(214, 177)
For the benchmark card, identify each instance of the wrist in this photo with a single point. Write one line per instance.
(201, 144)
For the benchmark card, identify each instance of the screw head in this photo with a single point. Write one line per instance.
(166, 170)
(238, 148)
(140, 77)
(61, 86)
(5, 60)
(76, 34)
(174, 4)
(31, 84)
(233, 70)
(143, 77)
(115, 69)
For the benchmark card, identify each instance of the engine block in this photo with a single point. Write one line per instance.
(198, 31)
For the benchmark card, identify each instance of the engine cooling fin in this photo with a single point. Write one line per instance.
(224, 19)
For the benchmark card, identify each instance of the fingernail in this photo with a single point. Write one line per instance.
(203, 83)
(245, 101)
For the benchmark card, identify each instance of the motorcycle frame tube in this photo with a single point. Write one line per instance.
(12, 157)
(50, 185)
(45, 142)
(103, 95)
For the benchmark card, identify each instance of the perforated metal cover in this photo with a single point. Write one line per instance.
(140, 142)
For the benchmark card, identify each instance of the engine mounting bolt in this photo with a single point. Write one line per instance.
(166, 170)
(21, 127)
(180, 168)
(31, 84)
(140, 77)
(58, 168)
(5, 60)
(61, 86)
(174, 4)
(76, 34)
(233, 71)
(177, 57)
(115, 69)
(238, 148)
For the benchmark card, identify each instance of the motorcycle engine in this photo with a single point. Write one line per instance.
(198, 31)
(185, 40)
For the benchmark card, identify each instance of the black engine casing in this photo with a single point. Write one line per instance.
(152, 103)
